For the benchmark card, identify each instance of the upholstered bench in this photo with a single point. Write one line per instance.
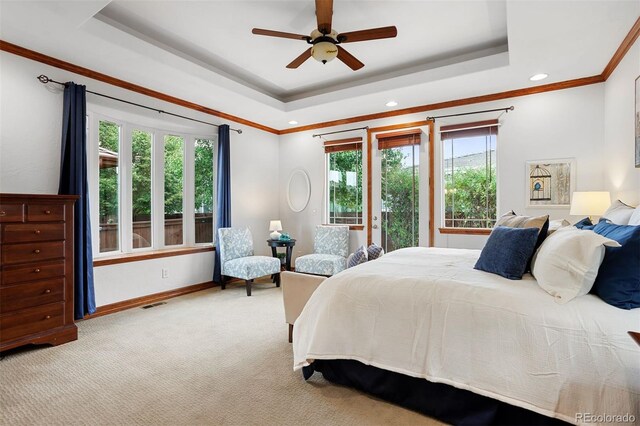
(296, 290)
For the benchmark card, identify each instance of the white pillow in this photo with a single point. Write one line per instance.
(619, 213)
(556, 224)
(635, 217)
(566, 264)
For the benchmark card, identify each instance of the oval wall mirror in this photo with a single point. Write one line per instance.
(298, 190)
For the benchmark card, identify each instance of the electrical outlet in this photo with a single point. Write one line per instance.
(165, 273)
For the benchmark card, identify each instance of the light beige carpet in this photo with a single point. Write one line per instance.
(213, 357)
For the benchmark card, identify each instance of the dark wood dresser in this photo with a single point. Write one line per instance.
(36, 270)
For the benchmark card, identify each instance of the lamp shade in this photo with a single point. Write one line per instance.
(324, 51)
(275, 225)
(590, 203)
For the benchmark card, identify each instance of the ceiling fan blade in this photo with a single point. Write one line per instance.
(271, 33)
(300, 59)
(349, 59)
(324, 15)
(370, 34)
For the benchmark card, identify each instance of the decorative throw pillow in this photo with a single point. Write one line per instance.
(512, 220)
(508, 251)
(358, 257)
(619, 213)
(618, 280)
(374, 251)
(566, 265)
(584, 224)
(635, 217)
(554, 225)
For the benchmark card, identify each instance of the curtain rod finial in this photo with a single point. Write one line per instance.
(43, 79)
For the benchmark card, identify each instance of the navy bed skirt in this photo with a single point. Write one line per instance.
(443, 402)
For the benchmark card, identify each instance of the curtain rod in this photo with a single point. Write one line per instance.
(511, 108)
(44, 80)
(340, 131)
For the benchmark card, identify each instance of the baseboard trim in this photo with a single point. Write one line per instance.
(150, 298)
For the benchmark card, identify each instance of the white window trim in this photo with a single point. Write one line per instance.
(125, 214)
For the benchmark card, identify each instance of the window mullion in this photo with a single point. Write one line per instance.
(188, 191)
(125, 189)
(157, 185)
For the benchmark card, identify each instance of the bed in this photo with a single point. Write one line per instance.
(425, 313)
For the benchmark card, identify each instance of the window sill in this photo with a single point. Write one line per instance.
(351, 227)
(465, 231)
(147, 255)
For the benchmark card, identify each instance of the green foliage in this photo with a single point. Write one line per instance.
(399, 199)
(141, 175)
(173, 174)
(204, 154)
(109, 137)
(346, 200)
(471, 194)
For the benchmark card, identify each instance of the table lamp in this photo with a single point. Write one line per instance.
(275, 226)
(590, 203)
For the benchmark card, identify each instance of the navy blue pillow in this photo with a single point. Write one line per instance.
(584, 224)
(507, 251)
(618, 280)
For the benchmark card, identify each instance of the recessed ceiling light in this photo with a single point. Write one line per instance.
(538, 77)
(292, 122)
(391, 104)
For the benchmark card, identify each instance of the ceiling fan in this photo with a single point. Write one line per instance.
(326, 42)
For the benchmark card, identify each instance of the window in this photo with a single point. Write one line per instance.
(173, 190)
(344, 181)
(109, 184)
(469, 172)
(204, 178)
(399, 189)
(141, 231)
(155, 188)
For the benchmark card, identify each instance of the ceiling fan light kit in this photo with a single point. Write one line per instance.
(325, 41)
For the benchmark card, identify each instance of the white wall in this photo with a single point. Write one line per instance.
(566, 123)
(559, 124)
(622, 179)
(30, 133)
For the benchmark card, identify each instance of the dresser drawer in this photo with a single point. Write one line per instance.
(31, 252)
(31, 294)
(45, 212)
(32, 320)
(11, 212)
(24, 232)
(34, 271)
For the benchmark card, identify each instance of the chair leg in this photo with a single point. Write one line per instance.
(248, 285)
(290, 333)
(278, 279)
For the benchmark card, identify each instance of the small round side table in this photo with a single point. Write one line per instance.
(282, 243)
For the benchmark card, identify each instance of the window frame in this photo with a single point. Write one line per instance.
(125, 213)
(444, 229)
(327, 210)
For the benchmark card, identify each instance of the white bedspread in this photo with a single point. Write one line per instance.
(427, 313)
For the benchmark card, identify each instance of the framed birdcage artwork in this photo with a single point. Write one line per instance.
(550, 183)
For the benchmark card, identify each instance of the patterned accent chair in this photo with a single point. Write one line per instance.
(237, 259)
(331, 247)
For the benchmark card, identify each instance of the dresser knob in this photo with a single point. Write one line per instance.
(47, 212)
(47, 291)
(37, 231)
(3, 213)
(47, 317)
(36, 251)
(37, 270)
